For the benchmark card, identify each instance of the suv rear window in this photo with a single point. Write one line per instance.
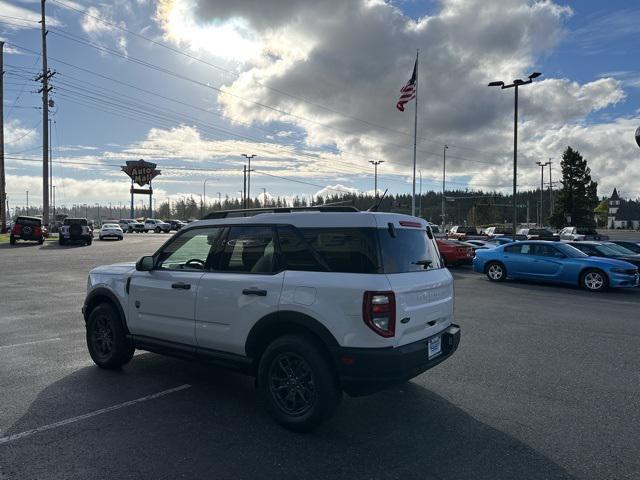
(75, 221)
(400, 254)
(346, 250)
(28, 221)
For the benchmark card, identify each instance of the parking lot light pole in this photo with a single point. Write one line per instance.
(375, 164)
(516, 83)
(542, 165)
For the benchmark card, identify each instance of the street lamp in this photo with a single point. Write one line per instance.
(516, 83)
(204, 195)
(542, 165)
(375, 175)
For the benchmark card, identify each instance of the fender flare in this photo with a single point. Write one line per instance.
(275, 322)
(95, 296)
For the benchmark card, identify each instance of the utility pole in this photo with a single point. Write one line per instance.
(44, 78)
(264, 197)
(375, 175)
(219, 199)
(550, 189)
(248, 188)
(541, 165)
(444, 176)
(50, 165)
(27, 202)
(420, 196)
(53, 188)
(3, 186)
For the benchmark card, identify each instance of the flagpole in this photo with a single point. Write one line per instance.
(415, 141)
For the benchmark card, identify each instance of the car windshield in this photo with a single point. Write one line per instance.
(606, 251)
(540, 231)
(620, 249)
(569, 250)
(406, 250)
(75, 221)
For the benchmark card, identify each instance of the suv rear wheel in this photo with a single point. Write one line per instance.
(297, 384)
(106, 338)
(12, 240)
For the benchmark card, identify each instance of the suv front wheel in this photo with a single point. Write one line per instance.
(106, 338)
(297, 384)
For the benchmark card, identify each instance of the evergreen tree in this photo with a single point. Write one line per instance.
(578, 196)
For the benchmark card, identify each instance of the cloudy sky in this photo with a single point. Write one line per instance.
(310, 88)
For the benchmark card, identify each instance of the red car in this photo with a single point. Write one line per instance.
(455, 253)
(27, 228)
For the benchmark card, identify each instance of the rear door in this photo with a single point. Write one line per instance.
(241, 287)
(424, 296)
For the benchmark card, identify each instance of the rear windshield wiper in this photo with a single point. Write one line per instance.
(425, 263)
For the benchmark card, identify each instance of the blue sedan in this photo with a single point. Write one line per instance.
(554, 262)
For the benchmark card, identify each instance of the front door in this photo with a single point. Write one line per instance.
(162, 302)
(240, 288)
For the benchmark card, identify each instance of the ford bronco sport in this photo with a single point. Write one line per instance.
(313, 302)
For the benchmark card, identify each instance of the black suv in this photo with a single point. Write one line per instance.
(27, 228)
(75, 230)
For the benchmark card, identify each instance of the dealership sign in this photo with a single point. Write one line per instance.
(141, 172)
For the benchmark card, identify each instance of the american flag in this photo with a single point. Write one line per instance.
(408, 92)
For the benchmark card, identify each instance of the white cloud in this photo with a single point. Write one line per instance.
(352, 57)
(17, 136)
(107, 29)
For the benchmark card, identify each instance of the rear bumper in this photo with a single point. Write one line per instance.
(367, 370)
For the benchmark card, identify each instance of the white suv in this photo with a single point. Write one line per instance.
(311, 302)
(151, 224)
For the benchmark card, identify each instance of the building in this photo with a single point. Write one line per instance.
(623, 213)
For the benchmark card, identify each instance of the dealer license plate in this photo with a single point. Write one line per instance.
(434, 347)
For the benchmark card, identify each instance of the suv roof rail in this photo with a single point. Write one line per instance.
(256, 211)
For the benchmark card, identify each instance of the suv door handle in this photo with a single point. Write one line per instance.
(253, 291)
(181, 285)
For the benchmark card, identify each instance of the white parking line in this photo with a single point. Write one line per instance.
(31, 343)
(61, 423)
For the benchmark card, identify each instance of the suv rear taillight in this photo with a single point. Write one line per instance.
(17, 228)
(379, 312)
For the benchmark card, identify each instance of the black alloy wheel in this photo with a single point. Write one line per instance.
(291, 384)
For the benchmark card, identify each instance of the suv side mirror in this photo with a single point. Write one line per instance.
(145, 264)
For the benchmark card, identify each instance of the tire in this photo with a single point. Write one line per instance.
(496, 272)
(157, 230)
(106, 338)
(40, 241)
(594, 280)
(100, 238)
(89, 241)
(295, 364)
(12, 240)
(62, 241)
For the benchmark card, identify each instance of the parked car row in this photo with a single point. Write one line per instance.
(592, 265)
(130, 225)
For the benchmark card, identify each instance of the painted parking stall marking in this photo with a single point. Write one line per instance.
(56, 339)
(61, 423)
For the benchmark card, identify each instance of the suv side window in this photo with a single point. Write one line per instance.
(248, 249)
(190, 250)
(346, 250)
(295, 252)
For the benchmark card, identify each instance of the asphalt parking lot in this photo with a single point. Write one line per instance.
(545, 385)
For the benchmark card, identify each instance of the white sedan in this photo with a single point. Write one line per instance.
(111, 230)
